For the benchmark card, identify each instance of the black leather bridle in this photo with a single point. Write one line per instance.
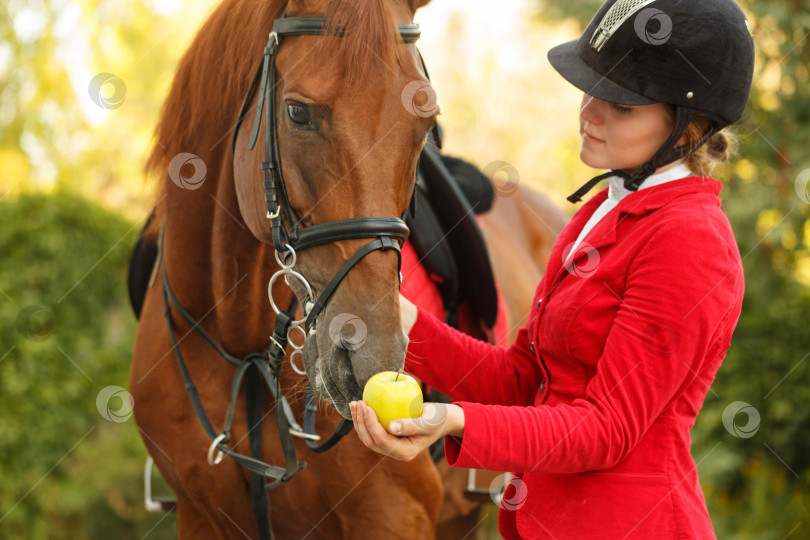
(387, 232)
(258, 369)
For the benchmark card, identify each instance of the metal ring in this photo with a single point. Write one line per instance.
(216, 460)
(303, 333)
(292, 362)
(295, 274)
(292, 253)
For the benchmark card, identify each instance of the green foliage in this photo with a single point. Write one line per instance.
(68, 472)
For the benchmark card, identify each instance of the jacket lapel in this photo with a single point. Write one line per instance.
(604, 233)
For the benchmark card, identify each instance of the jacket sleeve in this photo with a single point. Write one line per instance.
(669, 336)
(468, 369)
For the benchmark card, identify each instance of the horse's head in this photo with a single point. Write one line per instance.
(352, 110)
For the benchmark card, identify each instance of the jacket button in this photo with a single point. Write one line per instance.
(531, 346)
(538, 304)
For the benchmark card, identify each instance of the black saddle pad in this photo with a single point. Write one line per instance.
(446, 236)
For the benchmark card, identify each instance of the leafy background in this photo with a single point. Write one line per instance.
(72, 198)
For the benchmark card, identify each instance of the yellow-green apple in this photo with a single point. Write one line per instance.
(393, 395)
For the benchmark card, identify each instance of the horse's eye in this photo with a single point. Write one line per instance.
(299, 115)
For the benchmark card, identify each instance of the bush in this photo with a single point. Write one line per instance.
(67, 334)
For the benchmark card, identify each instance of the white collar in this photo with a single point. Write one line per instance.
(617, 191)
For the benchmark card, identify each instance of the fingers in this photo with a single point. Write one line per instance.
(368, 428)
(414, 436)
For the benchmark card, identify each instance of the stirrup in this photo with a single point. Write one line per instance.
(154, 504)
(475, 494)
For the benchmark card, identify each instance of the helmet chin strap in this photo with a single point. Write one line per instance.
(666, 154)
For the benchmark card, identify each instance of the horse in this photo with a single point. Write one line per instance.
(337, 126)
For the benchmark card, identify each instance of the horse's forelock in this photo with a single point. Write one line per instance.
(360, 35)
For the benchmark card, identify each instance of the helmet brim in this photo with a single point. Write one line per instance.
(566, 61)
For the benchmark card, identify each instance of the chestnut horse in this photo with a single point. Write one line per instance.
(347, 145)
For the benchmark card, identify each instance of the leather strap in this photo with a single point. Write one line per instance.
(383, 243)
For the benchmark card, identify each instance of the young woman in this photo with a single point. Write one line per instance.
(592, 405)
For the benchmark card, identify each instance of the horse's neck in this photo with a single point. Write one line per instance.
(218, 270)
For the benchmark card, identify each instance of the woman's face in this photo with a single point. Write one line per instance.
(621, 137)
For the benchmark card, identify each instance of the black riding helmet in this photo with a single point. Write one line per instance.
(696, 55)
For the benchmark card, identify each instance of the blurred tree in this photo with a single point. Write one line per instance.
(759, 486)
(70, 457)
(81, 84)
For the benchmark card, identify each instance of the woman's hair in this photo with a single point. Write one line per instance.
(720, 147)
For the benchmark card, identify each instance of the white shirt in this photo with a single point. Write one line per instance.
(617, 192)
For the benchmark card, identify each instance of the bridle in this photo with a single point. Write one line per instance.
(288, 237)
(388, 233)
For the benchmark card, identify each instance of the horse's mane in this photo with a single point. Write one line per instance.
(199, 113)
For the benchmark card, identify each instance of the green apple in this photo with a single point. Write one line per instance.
(393, 395)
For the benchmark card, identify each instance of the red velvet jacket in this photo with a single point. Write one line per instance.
(593, 404)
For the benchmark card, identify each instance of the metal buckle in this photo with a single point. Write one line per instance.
(304, 435)
(212, 460)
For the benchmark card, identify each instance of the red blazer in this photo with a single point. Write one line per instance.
(593, 404)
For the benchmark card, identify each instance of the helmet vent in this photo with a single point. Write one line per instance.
(613, 19)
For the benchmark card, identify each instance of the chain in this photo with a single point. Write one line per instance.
(287, 262)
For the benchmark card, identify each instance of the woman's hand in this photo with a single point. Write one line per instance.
(412, 434)
(407, 313)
